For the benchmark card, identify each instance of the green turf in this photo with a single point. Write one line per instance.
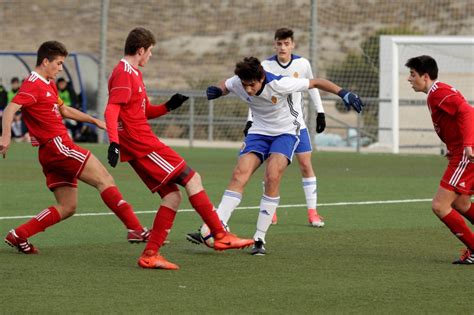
(385, 258)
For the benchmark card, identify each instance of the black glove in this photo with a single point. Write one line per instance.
(113, 154)
(247, 127)
(176, 101)
(320, 123)
(213, 92)
(351, 99)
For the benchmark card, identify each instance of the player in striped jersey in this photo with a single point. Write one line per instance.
(287, 64)
(159, 166)
(62, 160)
(453, 120)
(273, 138)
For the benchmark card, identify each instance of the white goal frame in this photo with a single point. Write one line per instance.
(389, 78)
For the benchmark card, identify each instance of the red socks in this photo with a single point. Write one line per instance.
(470, 214)
(44, 219)
(161, 227)
(124, 211)
(205, 209)
(455, 222)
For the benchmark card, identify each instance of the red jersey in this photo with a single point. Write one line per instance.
(126, 88)
(40, 109)
(453, 117)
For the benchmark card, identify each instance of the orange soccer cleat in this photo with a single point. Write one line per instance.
(227, 240)
(275, 218)
(315, 219)
(153, 260)
(21, 244)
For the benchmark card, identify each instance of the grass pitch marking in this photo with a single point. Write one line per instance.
(332, 204)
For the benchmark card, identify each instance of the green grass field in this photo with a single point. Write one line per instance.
(369, 259)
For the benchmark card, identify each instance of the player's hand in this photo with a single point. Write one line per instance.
(320, 122)
(351, 99)
(113, 154)
(469, 153)
(4, 145)
(248, 125)
(100, 124)
(176, 101)
(213, 92)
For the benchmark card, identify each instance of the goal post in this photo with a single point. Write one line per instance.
(455, 58)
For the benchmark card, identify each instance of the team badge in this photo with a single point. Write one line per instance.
(242, 148)
(274, 99)
(296, 75)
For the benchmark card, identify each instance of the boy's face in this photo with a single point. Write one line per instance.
(145, 55)
(252, 87)
(419, 83)
(284, 48)
(52, 68)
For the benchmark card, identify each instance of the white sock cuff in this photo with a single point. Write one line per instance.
(274, 200)
(310, 180)
(233, 194)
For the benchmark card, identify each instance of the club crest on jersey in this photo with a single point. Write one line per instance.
(296, 75)
(48, 94)
(139, 89)
(56, 110)
(274, 99)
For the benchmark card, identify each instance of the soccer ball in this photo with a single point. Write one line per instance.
(207, 236)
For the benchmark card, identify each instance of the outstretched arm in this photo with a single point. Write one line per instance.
(7, 119)
(350, 99)
(214, 92)
(72, 113)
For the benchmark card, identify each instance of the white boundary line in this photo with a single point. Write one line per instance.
(333, 204)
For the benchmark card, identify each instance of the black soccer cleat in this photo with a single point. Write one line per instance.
(258, 248)
(467, 258)
(195, 238)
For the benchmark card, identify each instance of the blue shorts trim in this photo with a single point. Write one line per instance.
(263, 146)
(305, 143)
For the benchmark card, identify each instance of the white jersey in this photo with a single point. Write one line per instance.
(274, 112)
(298, 67)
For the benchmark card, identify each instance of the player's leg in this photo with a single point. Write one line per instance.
(164, 219)
(465, 207)
(66, 197)
(246, 166)
(303, 155)
(204, 207)
(281, 153)
(442, 207)
(96, 175)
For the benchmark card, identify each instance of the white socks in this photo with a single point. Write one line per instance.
(230, 201)
(268, 207)
(310, 191)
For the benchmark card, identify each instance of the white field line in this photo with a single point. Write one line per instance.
(333, 204)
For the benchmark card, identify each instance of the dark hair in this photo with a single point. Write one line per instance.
(60, 80)
(137, 38)
(424, 64)
(15, 79)
(50, 50)
(283, 33)
(249, 69)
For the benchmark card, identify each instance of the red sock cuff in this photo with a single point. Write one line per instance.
(166, 213)
(111, 196)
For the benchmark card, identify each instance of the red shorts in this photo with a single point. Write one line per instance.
(459, 176)
(62, 161)
(157, 169)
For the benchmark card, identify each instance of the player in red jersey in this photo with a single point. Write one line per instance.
(453, 120)
(159, 166)
(63, 161)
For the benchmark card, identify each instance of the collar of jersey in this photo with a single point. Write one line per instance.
(287, 65)
(431, 87)
(131, 67)
(40, 77)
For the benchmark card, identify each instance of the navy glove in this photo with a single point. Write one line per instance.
(320, 122)
(247, 127)
(176, 101)
(351, 99)
(213, 92)
(113, 154)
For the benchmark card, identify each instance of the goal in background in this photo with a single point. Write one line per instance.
(404, 120)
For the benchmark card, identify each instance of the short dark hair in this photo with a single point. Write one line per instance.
(50, 50)
(15, 80)
(249, 69)
(283, 33)
(137, 38)
(424, 64)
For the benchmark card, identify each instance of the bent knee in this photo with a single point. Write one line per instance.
(172, 200)
(67, 210)
(439, 209)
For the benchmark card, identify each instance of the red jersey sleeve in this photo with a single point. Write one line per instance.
(27, 95)
(120, 88)
(153, 111)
